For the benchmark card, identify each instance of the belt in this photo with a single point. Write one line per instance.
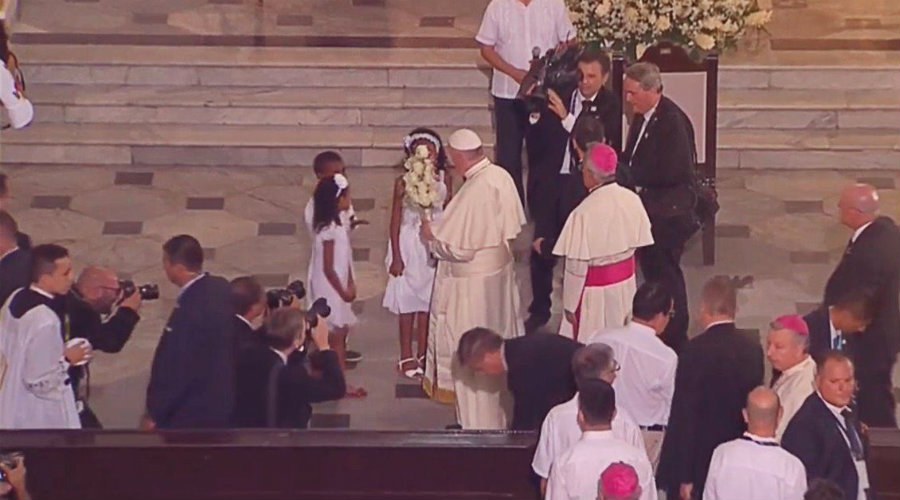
(655, 427)
(610, 274)
(485, 262)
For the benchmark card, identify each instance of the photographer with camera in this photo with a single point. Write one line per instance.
(510, 30)
(555, 184)
(12, 477)
(249, 306)
(274, 386)
(104, 311)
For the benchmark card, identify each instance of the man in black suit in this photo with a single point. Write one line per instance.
(716, 371)
(249, 304)
(98, 312)
(15, 261)
(836, 326)
(870, 262)
(554, 179)
(660, 157)
(825, 434)
(192, 376)
(274, 388)
(538, 369)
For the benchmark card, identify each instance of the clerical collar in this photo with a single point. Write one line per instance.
(764, 441)
(798, 367)
(478, 167)
(42, 292)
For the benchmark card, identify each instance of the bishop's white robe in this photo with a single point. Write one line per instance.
(598, 242)
(474, 286)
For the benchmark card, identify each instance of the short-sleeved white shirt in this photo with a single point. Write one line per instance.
(514, 29)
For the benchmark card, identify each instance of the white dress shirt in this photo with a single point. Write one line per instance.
(793, 387)
(576, 473)
(560, 431)
(646, 380)
(861, 470)
(859, 231)
(575, 107)
(837, 336)
(647, 116)
(514, 29)
(754, 468)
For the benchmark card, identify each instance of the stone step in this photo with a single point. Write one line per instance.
(152, 144)
(342, 106)
(374, 67)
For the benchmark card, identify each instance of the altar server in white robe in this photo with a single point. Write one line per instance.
(598, 242)
(786, 347)
(755, 466)
(475, 284)
(35, 392)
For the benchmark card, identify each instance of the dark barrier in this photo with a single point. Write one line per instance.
(336, 464)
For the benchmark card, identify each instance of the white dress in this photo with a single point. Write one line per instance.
(319, 286)
(411, 291)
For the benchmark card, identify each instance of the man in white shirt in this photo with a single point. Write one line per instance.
(576, 472)
(35, 391)
(510, 30)
(560, 428)
(646, 382)
(786, 347)
(754, 466)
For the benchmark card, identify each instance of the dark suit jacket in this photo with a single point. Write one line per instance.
(539, 376)
(15, 273)
(244, 335)
(819, 324)
(296, 388)
(872, 263)
(716, 370)
(813, 436)
(663, 166)
(192, 376)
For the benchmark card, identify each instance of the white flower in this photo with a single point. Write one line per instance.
(602, 9)
(758, 19)
(422, 151)
(663, 24)
(704, 41)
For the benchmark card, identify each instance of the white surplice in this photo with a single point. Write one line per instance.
(474, 286)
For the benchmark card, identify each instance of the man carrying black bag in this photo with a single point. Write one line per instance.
(659, 155)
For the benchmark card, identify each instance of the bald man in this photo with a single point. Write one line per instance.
(754, 466)
(871, 263)
(98, 312)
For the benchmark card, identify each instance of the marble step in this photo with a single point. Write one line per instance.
(373, 67)
(151, 144)
(342, 106)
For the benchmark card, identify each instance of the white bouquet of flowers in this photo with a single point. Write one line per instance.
(700, 26)
(420, 181)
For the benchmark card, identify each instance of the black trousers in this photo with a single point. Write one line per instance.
(88, 419)
(875, 397)
(661, 262)
(511, 121)
(550, 203)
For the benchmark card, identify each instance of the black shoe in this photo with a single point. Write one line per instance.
(353, 356)
(534, 322)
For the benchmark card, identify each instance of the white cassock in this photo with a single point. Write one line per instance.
(754, 468)
(560, 431)
(33, 389)
(793, 387)
(474, 286)
(598, 242)
(576, 473)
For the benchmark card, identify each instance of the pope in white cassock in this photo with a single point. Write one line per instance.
(475, 284)
(598, 242)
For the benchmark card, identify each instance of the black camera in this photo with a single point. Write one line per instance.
(149, 291)
(318, 308)
(282, 297)
(557, 69)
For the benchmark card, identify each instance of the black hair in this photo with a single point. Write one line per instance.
(596, 55)
(597, 402)
(184, 249)
(860, 302)
(325, 204)
(43, 259)
(440, 161)
(323, 159)
(476, 343)
(823, 489)
(830, 355)
(588, 128)
(651, 298)
(246, 292)
(8, 224)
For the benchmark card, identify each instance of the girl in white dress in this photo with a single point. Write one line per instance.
(408, 292)
(331, 267)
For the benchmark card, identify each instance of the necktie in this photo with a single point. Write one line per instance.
(856, 448)
(585, 105)
(838, 342)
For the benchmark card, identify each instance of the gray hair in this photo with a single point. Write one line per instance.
(283, 326)
(646, 74)
(592, 361)
(798, 337)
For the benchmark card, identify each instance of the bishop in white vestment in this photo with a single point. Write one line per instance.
(475, 284)
(598, 242)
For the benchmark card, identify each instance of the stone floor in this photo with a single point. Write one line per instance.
(778, 227)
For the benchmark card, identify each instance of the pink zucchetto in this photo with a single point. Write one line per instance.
(793, 322)
(602, 159)
(619, 481)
